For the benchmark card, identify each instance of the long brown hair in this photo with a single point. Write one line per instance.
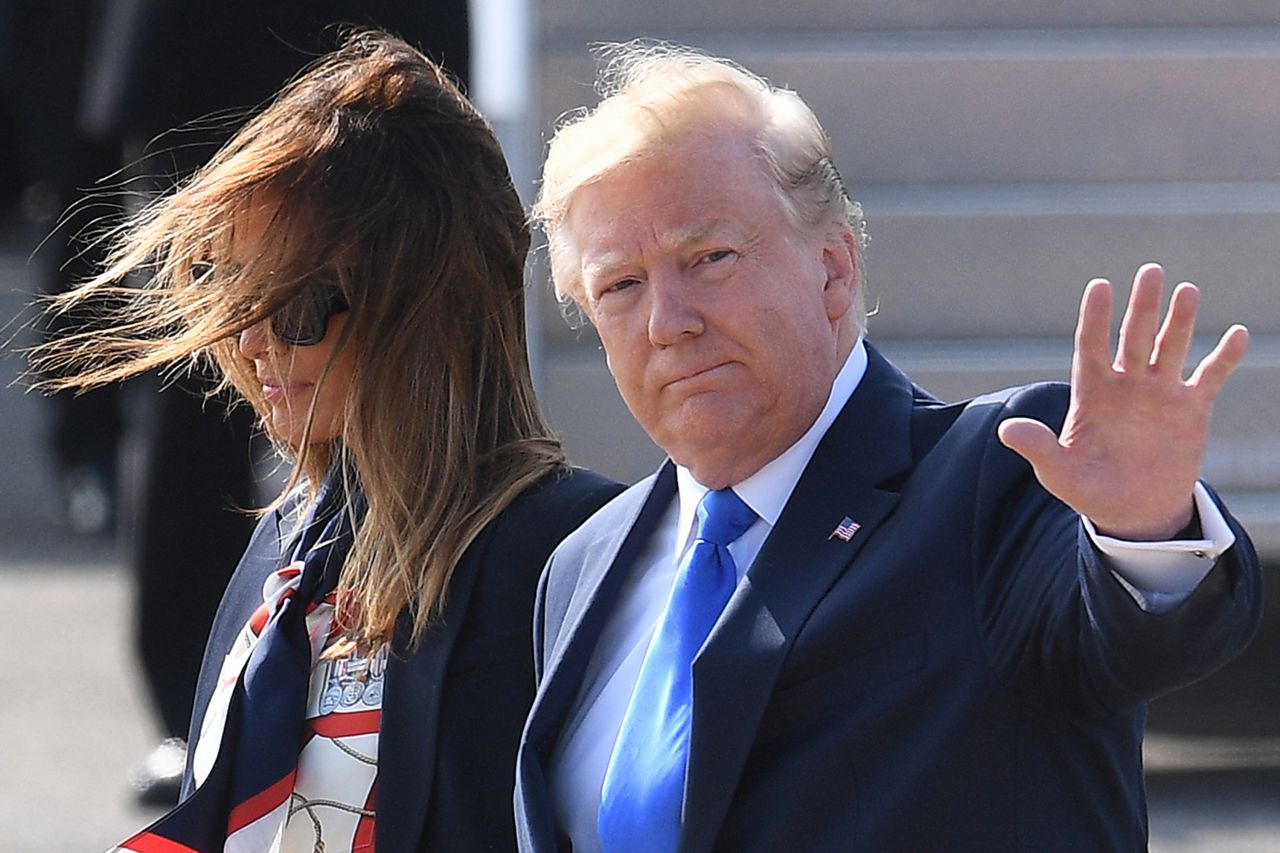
(378, 168)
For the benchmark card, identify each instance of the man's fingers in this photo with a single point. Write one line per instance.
(1093, 329)
(1032, 440)
(1141, 318)
(1216, 367)
(1174, 340)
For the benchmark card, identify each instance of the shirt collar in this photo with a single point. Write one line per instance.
(768, 490)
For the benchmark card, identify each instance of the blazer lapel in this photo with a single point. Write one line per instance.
(411, 713)
(265, 553)
(604, 566)
(734, 676)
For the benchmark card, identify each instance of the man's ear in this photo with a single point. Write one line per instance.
(840, 259)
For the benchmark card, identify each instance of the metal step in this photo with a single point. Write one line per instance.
(593, 19)
(1012, 106)
(972, 262)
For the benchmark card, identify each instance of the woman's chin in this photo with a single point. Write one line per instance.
(285, 430)
(289, 430)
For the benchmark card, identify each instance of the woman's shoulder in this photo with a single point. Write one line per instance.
(550, 509)
(496, 582)
(563, 499)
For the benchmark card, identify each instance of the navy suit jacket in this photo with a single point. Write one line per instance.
(452, 710)
(964, 673)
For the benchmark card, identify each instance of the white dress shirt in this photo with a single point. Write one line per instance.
(1158, 575)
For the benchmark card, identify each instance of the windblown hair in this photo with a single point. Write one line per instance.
(377, 168)
(654, 93)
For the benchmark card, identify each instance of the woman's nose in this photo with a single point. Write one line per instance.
(255, 340)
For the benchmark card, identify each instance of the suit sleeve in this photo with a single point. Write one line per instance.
(1058, 626)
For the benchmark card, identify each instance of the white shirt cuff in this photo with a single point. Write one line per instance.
(1162, 575)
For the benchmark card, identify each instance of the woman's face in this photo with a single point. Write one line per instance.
(290, 374)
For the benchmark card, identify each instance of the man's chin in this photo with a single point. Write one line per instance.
(718, 458)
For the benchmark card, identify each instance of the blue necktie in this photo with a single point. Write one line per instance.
(644, 783)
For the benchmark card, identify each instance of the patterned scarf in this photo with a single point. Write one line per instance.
(256, 715)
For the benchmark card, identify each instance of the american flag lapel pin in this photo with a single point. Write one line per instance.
(845, 529)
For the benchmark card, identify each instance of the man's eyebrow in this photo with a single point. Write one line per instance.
(696, 233)
(606, 264)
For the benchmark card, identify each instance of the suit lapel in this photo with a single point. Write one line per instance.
(734, 676)
(572, 631)
(263, 555)
(605, 564)
(411, 712)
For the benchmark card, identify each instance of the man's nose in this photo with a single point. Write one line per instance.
(673, 311)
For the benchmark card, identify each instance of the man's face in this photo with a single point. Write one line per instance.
(723, 326)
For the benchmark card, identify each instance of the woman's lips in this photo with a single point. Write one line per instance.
(279, 390)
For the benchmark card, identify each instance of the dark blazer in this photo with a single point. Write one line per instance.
(452, 710)
(964, 673)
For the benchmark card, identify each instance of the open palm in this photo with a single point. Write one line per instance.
(1134, 438)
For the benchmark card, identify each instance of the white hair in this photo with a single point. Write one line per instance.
(651, 93)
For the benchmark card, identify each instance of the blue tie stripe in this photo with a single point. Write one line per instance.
(644, 784)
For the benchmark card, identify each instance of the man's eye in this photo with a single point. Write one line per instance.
(717, 255)
(621, 285)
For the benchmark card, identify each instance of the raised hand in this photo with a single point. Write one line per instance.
(1135, 434)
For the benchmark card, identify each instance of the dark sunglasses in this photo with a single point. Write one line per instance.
(304, 319)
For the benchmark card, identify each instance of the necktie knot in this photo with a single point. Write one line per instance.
(723, 517)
